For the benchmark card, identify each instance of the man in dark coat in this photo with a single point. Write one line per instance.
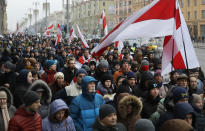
(107, 120)
(26, 117)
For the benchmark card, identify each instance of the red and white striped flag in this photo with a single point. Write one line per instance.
(160, 18)
(48, 30)
(103, 22)
(72, 34)
(173, 49)
(154, 20)
(85, 45)
(59, 34)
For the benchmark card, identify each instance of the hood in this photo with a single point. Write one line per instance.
(181, 109)
(56, 106)
(127, 100)
(9, 95)
(47, 95)
(85, 81)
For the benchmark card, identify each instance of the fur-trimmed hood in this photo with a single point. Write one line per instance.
(129, 100)
(9, 95)
(47, 95)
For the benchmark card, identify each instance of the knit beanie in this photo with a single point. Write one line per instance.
(57, 75)
(131, 75)
(23, 74)
(3, 94)
(179, 93)
(49, 63)
(176, 125)
(106, 110)
(122, 62)
(144, 65)
(123, 89)
(81, 71)
(152, 84)
(30, 97)
(157, 72)
(144, 125)
(103, 64)
(9, 65)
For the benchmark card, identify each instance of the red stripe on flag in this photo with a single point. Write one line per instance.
(177, 19)
(159, 11)
(178, 62)
(104, 23)
(166, 40)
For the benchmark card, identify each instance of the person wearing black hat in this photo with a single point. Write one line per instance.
(92, 66)
(107, 120)
(150, 103)
(131, 76)
(26, 117)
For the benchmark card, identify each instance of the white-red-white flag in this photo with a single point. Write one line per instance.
(48, 30)
(59, 35)
(72, 34)
(85, 45)
(176, 45)
(154, 20)
(104, 23)
(119, 45)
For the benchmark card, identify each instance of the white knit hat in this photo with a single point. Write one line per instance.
(58, 74)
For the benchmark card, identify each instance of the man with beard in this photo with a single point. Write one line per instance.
(70, 70)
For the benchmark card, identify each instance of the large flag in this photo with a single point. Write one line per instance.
(178, 51)
(59, 34)
(85, 45)
(48, 30)
(104, 23)
(154, 20)
(160, 18)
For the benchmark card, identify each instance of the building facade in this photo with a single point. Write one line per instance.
(194, 14)
(86, 14)
(3, 17)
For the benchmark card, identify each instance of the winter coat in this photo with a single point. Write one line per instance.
(48, 76)
(102, 90)
(68, 93)
(84, 108)
(10, 107)
(25, 121)
(99, 127)
(51, 124)
(128, 120)
(200, 119)
(68, 74)
(150, 106)
(46, 97)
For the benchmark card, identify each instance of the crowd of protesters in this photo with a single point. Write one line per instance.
(49, 87)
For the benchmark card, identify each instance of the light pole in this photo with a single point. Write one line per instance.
(67, 14)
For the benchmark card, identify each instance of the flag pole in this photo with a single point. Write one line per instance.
(172, 56)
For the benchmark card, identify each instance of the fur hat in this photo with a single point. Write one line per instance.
(103, 64)
(176, 125)
(129, 100)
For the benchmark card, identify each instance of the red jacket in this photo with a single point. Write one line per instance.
(25, 121)
(48, 76)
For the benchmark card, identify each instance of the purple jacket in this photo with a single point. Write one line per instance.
(50, 124)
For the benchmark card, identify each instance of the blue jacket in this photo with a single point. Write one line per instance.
(84, 109)
(50, 124)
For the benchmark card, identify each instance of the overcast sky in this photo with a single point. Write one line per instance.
(17, 9)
